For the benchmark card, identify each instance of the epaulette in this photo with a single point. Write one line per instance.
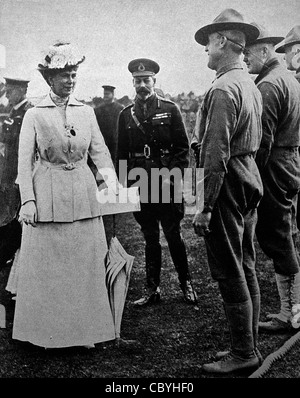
(127, 107)
(166, 100)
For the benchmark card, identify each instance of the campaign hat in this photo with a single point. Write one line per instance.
(293, 37)
(229, 19)
(264, 36)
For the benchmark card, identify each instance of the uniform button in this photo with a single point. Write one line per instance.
(72, 150)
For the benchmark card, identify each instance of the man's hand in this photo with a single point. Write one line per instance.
(201, 223)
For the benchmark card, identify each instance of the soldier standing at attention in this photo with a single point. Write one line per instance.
(290, 46)
(230, 132)
(107, 115)
(10, 228)
(151, 137)
(279, 165)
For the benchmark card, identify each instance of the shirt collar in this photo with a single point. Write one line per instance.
(268, 66)
(149, 100)
(47, 102)
(227, 68)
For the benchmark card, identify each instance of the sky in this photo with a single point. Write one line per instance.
(110, 33)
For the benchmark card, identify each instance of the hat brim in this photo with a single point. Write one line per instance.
(281, 49)
(272, 40)
(67, 66)
(16, 82)
(250, 31)
(143, 73)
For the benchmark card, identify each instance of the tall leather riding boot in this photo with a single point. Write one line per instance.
(289, 293)
(255, 321)
(242, 355)
(179, 257)
(153, 265)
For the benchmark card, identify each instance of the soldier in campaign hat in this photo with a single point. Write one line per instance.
(279, 164)
(152, 136)
(10, 228)
(290, 46)
(232, 185)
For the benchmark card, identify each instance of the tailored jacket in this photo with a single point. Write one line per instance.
(160, 141)
(53, 168)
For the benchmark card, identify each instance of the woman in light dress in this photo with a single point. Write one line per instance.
(61, 297)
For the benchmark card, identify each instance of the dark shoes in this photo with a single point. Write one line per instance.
(189, 294)
(221, 354)
(275, 325)
(153, 296)
(232, 363)
(150, 297)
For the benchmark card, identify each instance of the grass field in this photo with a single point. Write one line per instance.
(174, 338)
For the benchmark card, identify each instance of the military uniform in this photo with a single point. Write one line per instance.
(230, 133)
(10, 228)
(152, 136)
(291, 39)
(107, 115)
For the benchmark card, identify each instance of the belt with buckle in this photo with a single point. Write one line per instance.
(65, 166)
(148, 153)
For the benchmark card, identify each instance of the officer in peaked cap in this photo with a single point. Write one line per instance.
(152, 135)
(10, 229)
(279, 164)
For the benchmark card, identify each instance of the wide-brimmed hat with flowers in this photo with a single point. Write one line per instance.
(59, 56)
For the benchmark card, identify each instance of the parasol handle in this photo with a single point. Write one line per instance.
(114, 225)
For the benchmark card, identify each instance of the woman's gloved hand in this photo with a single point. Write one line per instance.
(28, 213)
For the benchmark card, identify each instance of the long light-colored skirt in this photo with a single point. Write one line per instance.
(62, 299)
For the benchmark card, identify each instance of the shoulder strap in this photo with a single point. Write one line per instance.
(137, 121)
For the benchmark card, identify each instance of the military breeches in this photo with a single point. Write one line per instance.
(276, 227)
(169, 216)
(230, 244)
